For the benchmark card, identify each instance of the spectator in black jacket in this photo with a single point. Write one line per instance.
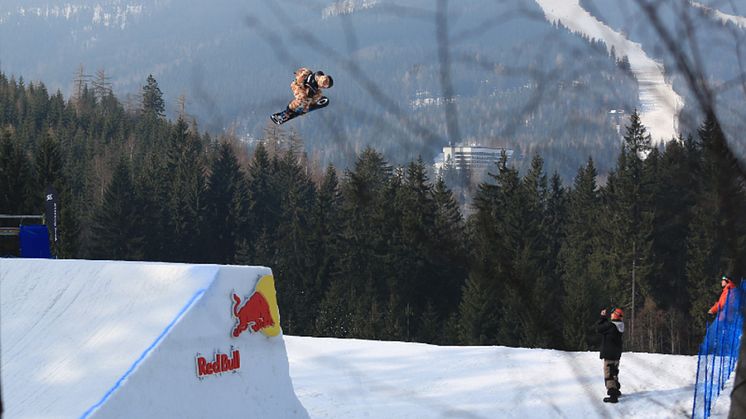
(611, 350)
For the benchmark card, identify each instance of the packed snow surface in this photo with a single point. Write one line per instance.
(116, 339)
(348, 378)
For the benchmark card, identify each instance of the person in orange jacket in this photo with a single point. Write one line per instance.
(727, 283)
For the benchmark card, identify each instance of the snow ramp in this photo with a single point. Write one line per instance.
(136, 339)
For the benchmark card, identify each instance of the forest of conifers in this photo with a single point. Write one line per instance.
(383, 252)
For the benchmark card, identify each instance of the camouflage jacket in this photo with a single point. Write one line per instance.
(305, 90)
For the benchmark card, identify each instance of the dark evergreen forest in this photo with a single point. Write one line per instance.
(383, 252)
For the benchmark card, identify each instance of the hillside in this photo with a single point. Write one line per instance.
(233, 64)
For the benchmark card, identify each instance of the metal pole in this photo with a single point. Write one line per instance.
(738, 395)
(632, 324)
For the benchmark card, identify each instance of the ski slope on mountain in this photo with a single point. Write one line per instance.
(722, 16)
(125, 339)
(660, 104)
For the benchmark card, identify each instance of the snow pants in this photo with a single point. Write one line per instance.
(611, 376)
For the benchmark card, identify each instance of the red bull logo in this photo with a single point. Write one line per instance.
(221, 363)
(254, 314)
(259, 313)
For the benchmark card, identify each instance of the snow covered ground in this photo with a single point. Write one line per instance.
(339, 378)
(133, 340)
(660, 104)
(118, 339)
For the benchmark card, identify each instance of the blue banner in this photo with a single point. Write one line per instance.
(34, 241)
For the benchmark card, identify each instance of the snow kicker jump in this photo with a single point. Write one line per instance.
(126, 339)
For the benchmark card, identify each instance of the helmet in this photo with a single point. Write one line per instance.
(726, 278)
(618, 311)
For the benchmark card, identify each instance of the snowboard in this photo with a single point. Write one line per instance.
(280, 118)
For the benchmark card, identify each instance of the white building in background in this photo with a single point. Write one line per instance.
(618, 118)
(473, 157)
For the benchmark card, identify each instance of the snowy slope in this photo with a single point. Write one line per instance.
(337, 378)
(118, 339)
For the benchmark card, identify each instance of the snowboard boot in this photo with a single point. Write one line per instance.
(613, 396)
(281, 117)
(611, 399)
(284, 116)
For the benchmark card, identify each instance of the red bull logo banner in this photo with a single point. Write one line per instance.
(258, 312)
(220, 363)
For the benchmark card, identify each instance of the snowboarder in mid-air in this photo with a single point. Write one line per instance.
(306, 87)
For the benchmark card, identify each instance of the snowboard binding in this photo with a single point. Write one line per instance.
(280, 118)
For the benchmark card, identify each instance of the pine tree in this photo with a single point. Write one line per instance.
(367, 202)
(50, 171)
(152, 189)
(293, 242)
(431, 326)
(531, 274)
(226, 206)
(478, 314)
(263, 202)
(713, 239)
(720, 169)
(335, 315)
(674, 193)
(186, 205)
(116, 220)
(628, 226)
(554, 230)
(49, 164)
(411, 253)
(152, 99)
(325, 236)
(449, 255)
(702, 265)
(582, 275)
(486, 309)
(15, 177)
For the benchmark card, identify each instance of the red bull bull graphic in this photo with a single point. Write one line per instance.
(220, 363)
(259, 313)
(254, 314)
